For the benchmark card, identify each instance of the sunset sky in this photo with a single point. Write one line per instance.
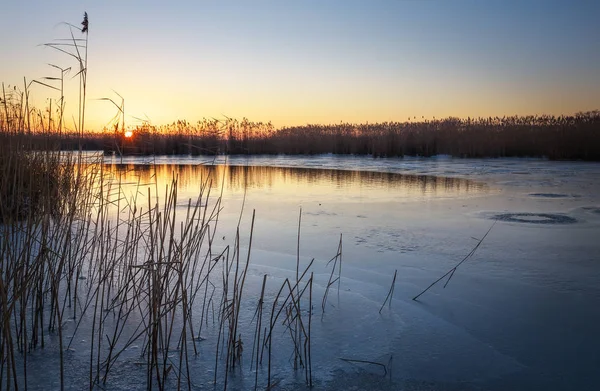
(298, 62)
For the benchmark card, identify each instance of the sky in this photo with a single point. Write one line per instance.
(325, 61)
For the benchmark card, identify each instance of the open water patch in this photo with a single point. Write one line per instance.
(534, 218)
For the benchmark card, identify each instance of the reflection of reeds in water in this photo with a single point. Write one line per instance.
(236, 178)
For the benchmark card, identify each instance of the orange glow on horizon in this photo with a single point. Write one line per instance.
(128, 134)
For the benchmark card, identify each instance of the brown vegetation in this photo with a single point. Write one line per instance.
(574, 137)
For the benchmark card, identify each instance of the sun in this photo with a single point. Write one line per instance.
(128, 133)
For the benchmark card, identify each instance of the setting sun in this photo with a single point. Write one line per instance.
(128, 133)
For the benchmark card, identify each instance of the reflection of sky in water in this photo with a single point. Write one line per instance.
(293, 181)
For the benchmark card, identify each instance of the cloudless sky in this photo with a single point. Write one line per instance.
(309, 61)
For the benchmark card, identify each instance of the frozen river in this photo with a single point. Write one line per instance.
(522, 314)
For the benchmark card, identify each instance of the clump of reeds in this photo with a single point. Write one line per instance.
(554, 137)
(45, 194)
(78, 242)
(32, 174)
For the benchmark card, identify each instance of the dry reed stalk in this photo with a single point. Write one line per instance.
(390, 292)
(337, 258)
(291, 315)
(256, 341)
(385, 371)
(450, 272)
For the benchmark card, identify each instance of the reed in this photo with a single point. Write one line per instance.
(450, 273)
(128, 265)
(574, 137)
(337, 261)
(553, 137)
(390, 294)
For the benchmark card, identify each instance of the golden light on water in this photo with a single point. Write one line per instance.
(293, 181)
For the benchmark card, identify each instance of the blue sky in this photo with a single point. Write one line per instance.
(316, 61)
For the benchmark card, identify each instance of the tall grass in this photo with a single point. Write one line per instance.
(562, 137)
(84, 253)
(131, 271)
(574, 137)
